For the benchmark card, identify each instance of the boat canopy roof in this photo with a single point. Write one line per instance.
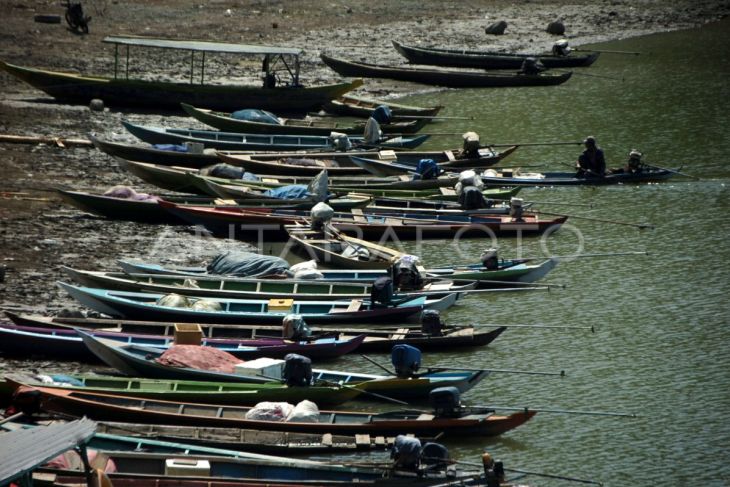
(23, 450)
(203, 46)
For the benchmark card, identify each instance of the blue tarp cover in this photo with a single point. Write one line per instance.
(290, 192)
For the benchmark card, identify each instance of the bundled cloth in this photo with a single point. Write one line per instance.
(228, 171)
(127, 193)
(247, 264)
(289, 192)
(305, 270)
(173, 300)
(304, 412)
(197, 357)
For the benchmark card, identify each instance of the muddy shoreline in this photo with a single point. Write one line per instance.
(39, 233)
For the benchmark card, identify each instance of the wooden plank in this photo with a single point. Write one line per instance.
(327, 439)
(399, 334)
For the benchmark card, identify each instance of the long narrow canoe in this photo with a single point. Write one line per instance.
(164, 94)
(236, 393)
(380, 339)
(145, 463)
(267, 442)
(66, 344)
(341, 251)
(507, 270)
(139, 361)
(259, 142)
(133, 305)
(474, 422)
(133, 152)
(244, 288)
(148, 211)
(358, 106)
(288, 126)
(247, 225)
(442, 77)
(464, 58)
(570, 179)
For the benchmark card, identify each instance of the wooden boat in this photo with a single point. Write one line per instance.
(570, 179)
(148, 211)
(140, 458)
(257, 142)
(254, 441)
(400, 162)
(340, 251)
(132, 305)
(289, 126)
(464, 58)
(518, 270)
(441, 77)
(350, 105)
(136, 361)
(120, 90)
(206, 392)
(380, 339)
(245, 288)
(103, 407)
(66, 344)
(133, 152)
(271, 223)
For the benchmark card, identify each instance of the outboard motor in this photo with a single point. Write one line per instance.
(445, 401)
(294, 328)
(489, 259)
(382, 114)
(431, 323)
(321, 214)
(515, 209)
(297, 370)
(472, 199)
(561, 48)
(340, 141)
(468, 178)
(381, 292)
(406, 360)
(405, 273)
(434, 455)
(532, 66)
(471, 145)
(406, 452)
(427, 169)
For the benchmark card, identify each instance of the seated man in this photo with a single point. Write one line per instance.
(561, 48)
(532, 66)
(591, 163)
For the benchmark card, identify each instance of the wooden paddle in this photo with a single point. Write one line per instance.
(671, 170)
(561, 411)
(601, 220)
(634, 53)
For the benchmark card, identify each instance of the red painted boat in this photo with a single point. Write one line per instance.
(245, 224)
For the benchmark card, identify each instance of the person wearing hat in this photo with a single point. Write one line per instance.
(591, 163)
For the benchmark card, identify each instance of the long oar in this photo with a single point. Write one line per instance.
(362, 391)
(552, 476)
(560, 203)
(527, 144)
(584, 256)
(614, 78)
(602, 220)
(436, 117)
(563, 327)
(376, 363)
(562, 411)
(672, 170)
(503, 371)
(525, 472)
(634, 53)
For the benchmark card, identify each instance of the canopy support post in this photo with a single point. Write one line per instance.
(202, 69)
(84, 454)
(116, 60)
(126, 67)
(192, 65)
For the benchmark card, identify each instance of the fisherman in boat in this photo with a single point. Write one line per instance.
(591, 163)
(381, 115)
(532, 66)
(493, 471)
(633, 165)
(561, 48)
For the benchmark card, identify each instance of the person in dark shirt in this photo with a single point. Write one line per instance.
(591, 163)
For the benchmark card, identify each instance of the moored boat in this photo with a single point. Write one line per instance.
(120, 90)
(133, 305)
(442, 77)
(465, 58)
(257, 142)
(648, 174)
(468, 423)
(288, 126)
(358, 106)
